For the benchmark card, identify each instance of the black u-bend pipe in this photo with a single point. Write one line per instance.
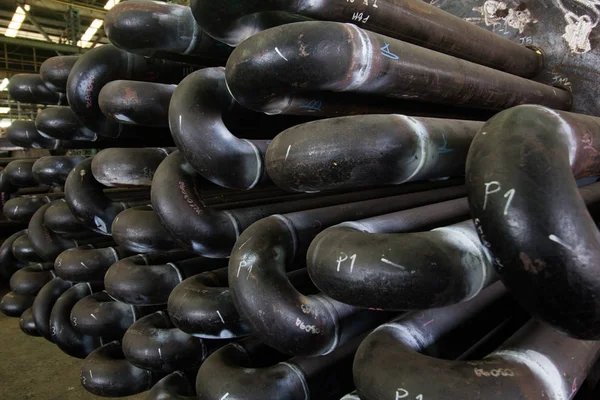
(30, 88)
(367, 63)
(27, 324)
(176, 198)
(61, 123)
(46, 243)
(148, 279)
(20, 172)
(14, 304)
(53, 170)
(59, 218)
(107, 63)
(25, 134)
(88, 202)
(43, 304)
(139, 230)
(64, 335)
(529, 213)
(24, 252)
(154, 343)
(31, 279)
(420, 23)
(106, 372)
(21, 209)
(8, 262)
(175, 386)
(127, 167)
(161, 30)
(355, 151)
(86, 263)
(55, 72)
(292, 322)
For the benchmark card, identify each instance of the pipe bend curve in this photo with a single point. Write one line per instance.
(335, 57)
(14, 304)
(59, 218)
(87, 264)
(136, 103)
(31, 279)
(161, 30)
(355, 151)
(175, 386)
(22, 209)
(154, 343)
(64, 335)
(43, 303)
(20, 172)
(61, 123)
(202, 306)
(87, 200)
(30, 88)
(27, 324)
(101, 316)
(53, 170)
(148, 279)
(196, 121)
(139, 230)
(8, 262)
(529, 213)
(54, 72)
(24, 251)
(106, 372)
(25, 134)
(46, 243)
(127, 167)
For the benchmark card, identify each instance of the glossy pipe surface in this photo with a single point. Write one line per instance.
(8, 262)
(161, 30)
(47, 244)
(21, 209)
(351, 152)
(20, 173)
(27, 324)
(25, 134)
(14, 304)
(127, 167)
(292, 322)
(107, 63)
(106, 372)
(53, 170)
(528, 212)
(43, 303)
(64, 335)
(87, 264)
(211, 232)
(24, 251)
(148, 279)
(139, 230)
(59, 218)
(175, 386)
(136, 103)
(29, 280)
(420, 23)
(62, 123)
(30, 88)
(534, 360)
(55, 72)
(343, 58)
(87, 200)
(154, 343)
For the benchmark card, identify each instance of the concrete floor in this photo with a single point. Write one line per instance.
(31, 368)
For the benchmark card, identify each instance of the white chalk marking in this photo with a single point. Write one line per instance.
(558, 240)
(282, 56)
(220, 316)
(288, 152)
(243, 244)
(225, 396)
(386, 261)
(93, 316)
(159, 353)
(84, 266)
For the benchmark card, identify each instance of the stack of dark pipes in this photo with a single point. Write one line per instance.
(313, 234)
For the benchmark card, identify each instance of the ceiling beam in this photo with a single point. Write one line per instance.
(38, 44)
(40, 29)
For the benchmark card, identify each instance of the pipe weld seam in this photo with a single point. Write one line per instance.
(194, 40)
(234, 221)
(259, 164)
(362, 73)
(179, 274)
(301, 376)
(422, 135)
(333, 314)
(290, 226)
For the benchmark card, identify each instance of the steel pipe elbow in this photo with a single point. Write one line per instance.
(59, 218)
(43, 303)
(24, 251)
(64, 335)
(154, 343)
(53, 170)
(528, 212)
(161, 30)
(31, 279)
(14, 304)
(30, 88)
(25, 134)
(139, 230)
(54, 72)
(309, 57)
(106, 372)
(355, 151)
(20, 172)
(61, 123)
(175, 386)
(127, 167)
(8, 262)
(148, 279)
(27, 324)
(46, 243)
(202, 306)
(86, 264)
(21, 209)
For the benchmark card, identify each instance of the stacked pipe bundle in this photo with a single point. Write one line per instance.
(281, 211)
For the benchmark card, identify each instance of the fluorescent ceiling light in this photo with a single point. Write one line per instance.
(17, 19)
(5, 123)
(4, 110)
(110, 4)
(89, 33)
(4, 84)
